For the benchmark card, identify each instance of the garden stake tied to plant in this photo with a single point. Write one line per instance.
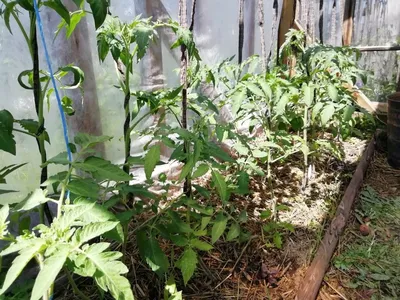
(231, 219)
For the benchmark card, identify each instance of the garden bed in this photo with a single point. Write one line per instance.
(366, 264)
(252, 269)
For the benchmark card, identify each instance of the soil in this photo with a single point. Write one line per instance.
(254, 270)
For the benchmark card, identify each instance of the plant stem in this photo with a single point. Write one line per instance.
(39, 259)
(127, 90)
(24, 132)
(305, 121)
(37, 91)
(75, 288)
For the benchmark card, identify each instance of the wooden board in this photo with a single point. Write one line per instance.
(311, 283)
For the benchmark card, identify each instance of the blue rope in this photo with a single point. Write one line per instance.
(63, 119)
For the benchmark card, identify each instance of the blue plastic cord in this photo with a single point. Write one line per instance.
(63, 119)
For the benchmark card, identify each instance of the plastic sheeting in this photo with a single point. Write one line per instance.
(216, 35)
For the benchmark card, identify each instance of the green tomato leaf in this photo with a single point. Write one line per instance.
(219, 227)
(151, 252)
(255, 89)
(29, 250)
(102, 169)
(7, 142)
(151, 159)
(187, 264)
(84, 187)
(196, 243)
(201, 170)
(333, 93)
(99, 9)
(93, 230)
(48, 273)
(220, 185)
(234, 232)
(33, 200)
(327, 113)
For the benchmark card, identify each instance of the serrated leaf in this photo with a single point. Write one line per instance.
(94, 230)
(179, 240)
(78, 75)
(20, 262)
(220, 185)
(7, 142)
(187, 168)
(234, 232)
(87, 141)
(196, 243)
(99, 9)
(151, 159)
(202, 191)
(69, 217)
(84, 187)
(204, 222)
(33, 127)
(151, 252)
(281, 105)
(33, 200)
(143, 34)
(219, 227)
(348, 113)
(266, 89)
(48, 273)
(260, 154)
(66, 103)
(277, 240)
(333, 93)
(237, 99)
(102, 169)
(308, 95)
(59, 159)
(255, 89)
(327, 113)
(201, 170)
(7, 14)
(243, 183)
(187, 264)
(178, 223)
(108, 275)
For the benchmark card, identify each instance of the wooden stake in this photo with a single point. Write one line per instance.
(287, 20)
(241, 31)
(348, 18)
(310, 286)
(262, 34)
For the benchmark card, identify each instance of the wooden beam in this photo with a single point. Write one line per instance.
(362, 100)
(311, 283)
(287, 20)
(378, 48)
(348, 18)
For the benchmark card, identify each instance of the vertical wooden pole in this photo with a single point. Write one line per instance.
(241, 31)
(348, 18)
(287, 20)
(262, 34)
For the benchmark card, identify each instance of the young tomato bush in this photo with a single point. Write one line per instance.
(290, 108)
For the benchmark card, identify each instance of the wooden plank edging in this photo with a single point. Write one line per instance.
(312, 281)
